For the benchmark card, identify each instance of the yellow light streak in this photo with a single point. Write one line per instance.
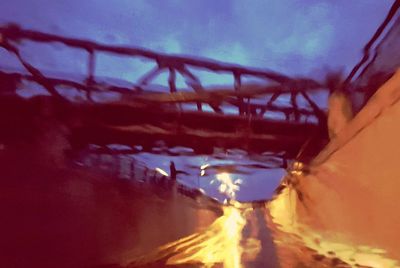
(291, 233)
(221, 243)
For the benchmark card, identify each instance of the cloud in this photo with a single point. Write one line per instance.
(233, 53)
(169, 44)
(286, 29)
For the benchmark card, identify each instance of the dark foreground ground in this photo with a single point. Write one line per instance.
(55, 216)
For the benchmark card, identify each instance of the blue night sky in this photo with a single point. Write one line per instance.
(291, 36)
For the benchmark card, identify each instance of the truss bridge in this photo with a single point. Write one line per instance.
(260, 110)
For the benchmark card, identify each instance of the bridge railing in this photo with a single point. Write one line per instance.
(238, 96)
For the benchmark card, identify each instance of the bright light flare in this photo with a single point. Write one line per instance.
(227, 186)
(221, 243)
(162, 172)
(202, 167)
